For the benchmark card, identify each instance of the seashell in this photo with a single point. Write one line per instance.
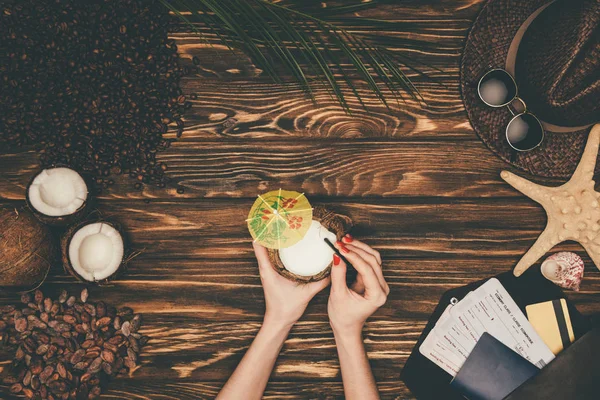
(565, 269)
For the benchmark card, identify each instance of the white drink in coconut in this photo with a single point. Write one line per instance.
(311, 255)
(311, 258)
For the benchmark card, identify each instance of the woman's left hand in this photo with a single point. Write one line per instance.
(285, 300)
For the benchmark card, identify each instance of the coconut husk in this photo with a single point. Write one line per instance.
(65, 242)
(335, 223)
(27, 247)
(64, 220)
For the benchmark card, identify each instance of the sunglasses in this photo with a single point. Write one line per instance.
(497, 88)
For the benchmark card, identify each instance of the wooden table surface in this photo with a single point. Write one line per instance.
(419, 184)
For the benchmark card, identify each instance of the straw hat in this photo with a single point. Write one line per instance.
(552, 49)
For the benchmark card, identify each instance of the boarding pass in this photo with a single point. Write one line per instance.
(489, 309)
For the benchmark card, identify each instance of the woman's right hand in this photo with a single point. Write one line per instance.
(349, 307)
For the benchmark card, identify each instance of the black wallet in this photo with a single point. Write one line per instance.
(429, 382)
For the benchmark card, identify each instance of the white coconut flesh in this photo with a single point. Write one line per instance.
(96, 251)
(311, 255)
(57, 192)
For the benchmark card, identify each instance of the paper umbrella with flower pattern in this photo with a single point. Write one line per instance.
(280, 218)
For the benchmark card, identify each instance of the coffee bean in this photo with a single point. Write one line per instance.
(106, 78)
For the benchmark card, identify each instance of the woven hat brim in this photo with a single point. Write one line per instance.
(486, 48)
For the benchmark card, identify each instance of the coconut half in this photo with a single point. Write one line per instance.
(94, 251)
(57, 196)
(310, 259)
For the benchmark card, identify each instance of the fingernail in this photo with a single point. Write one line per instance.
(336, 259)
(348, 238)
(342, 246)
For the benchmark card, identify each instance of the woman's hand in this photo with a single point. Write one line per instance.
(285, 300)
(349, 307)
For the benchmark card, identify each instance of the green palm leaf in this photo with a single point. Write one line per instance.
(284, 41)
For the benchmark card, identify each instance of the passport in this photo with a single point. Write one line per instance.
(492, 371)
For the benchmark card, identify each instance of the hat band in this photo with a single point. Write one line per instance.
(511, 60)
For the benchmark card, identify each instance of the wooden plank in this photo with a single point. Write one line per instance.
(428, 248)
(336, 168)
(235, 99)
(260, 109)
(123, 389)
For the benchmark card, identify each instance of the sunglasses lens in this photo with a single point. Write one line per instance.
(524, 132)
(497, 88)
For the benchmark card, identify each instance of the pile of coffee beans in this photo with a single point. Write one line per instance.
(93, 84)
(68, 348)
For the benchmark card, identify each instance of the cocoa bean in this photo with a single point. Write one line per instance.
(77, 356)
(52, 344)
(102, 322)
(133, 343)
(126, 328)
(90, 309)
(129, 363)
(38, 296)
(62, 371)
(16, 388)
(28, 393)
(136, 322)
(20, 324)
(35, 382)
(124, 311)
(63, 296)
(71, 301)
(100, 309)
(81, 365)
(47, 304)
(36, 367)
(46, 373)
(131, 354)
(42, 349)
(108, 356)
(84, 295)
(95, 366)
(107, 368)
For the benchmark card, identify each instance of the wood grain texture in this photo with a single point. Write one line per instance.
(418, 183)
(343, 168)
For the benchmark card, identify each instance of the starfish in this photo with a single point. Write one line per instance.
(573, 208)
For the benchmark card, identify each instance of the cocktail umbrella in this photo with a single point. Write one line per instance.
(279, 218)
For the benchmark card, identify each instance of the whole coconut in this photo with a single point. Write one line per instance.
(26, 247)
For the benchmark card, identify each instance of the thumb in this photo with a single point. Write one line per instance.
(262, 256)
(338, 274)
